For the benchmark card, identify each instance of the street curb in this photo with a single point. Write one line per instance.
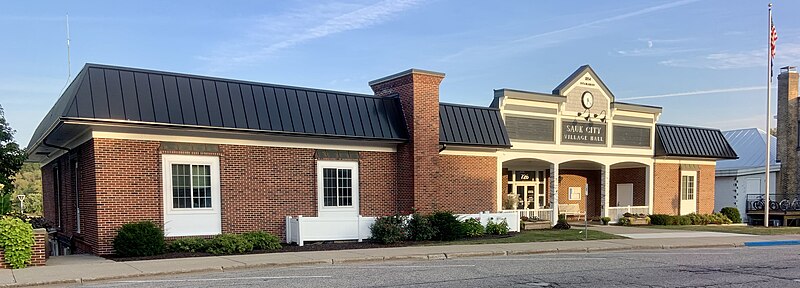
(771, 243)
(429, 257)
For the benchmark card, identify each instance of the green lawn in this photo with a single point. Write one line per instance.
(547, 235)
(755, 230)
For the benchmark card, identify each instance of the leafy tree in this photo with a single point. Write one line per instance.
(11, 159)
(28, 182)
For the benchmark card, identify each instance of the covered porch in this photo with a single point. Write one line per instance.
(584, 188)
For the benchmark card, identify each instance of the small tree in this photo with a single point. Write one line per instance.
(11, 159)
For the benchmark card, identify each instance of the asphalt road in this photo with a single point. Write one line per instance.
(776, 266)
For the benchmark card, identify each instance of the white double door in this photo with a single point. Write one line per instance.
(532, 196)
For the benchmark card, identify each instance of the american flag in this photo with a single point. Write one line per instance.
(773, 37)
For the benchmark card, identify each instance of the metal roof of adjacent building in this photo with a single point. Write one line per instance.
(146, 96)
(692, 142)
(471, 125)
(750, 144)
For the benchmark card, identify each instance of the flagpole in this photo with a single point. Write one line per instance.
(769, 98)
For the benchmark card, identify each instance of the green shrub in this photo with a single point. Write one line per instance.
(446, 225)
(472, 227)
(660, 219)
(225, 244)
(732, 213)
(5, 204)
(419, 228)
(624, 221)
(190, 244)
(139, 239)
(562, 223)
(605, 220)
(497, 228)
(16, 239)
(684, 220)
(718, 218)
(262, 240)
(389, 229)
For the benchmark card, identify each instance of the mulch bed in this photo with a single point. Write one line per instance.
(309, 246)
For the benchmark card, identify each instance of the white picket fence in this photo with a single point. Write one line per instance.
(301, 229)
(617, 212)
(511, 218)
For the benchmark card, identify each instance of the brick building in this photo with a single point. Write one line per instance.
(204, 156)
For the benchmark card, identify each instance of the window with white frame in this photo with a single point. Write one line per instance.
(574, 193)
(191, 186)
(337, 187)
(687, 187)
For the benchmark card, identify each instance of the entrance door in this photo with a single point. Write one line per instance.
(688, 192)
(625, 195)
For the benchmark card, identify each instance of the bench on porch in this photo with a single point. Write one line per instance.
(571, 210)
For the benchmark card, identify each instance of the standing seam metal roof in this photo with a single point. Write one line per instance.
(119, 93)
(682, 141)
(750, 145)
(471, 125)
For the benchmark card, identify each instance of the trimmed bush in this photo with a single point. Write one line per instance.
(562, 223)
(139, 239)
(684, 220)
(446, 225)
(190, 244)
(605, 220)
(262, 240)
(732, 213)
(419, 228)
(16, 240)
(624, 221)
(389, 229)
(225, 244)
(472, 227)
(497, 228)
(659, 219)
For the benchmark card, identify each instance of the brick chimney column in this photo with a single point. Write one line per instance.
(787, 146)
(418, 159)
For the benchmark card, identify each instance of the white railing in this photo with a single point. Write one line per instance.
(616, 212)
(300, 229)
(511, 218)
(541, 214)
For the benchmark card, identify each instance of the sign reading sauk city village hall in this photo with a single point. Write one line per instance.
(583, 132)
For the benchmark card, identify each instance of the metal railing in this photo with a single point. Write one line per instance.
(777, 202)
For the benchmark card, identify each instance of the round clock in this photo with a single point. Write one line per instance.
(587, 100)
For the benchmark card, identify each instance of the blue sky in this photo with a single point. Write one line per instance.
(702, 61)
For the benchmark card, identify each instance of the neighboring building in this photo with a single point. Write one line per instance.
(740, 180)
(204, 156)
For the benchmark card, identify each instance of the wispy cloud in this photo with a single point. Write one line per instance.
(737, 59)
(698, 92)
(275, 33)
(557, 36)
(658, 47)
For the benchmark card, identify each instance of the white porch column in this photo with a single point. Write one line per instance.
(605, 174)
(554, 193)
(648, 197)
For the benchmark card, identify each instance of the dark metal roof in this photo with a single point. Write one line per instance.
(682, 141)
(471, 125)
(101, 92)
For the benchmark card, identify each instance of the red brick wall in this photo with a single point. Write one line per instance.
(637, 176)
(84, 154)
(418, 161)
(705, 189)
(378, 180)
(666, 188)
(468, 184)
(38, 257)
(579, 178)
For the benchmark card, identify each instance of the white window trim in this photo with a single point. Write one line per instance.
(693, 174)
(213, 161)
(353, 165)
(573, 190)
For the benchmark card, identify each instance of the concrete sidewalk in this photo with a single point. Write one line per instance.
(81, 268)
